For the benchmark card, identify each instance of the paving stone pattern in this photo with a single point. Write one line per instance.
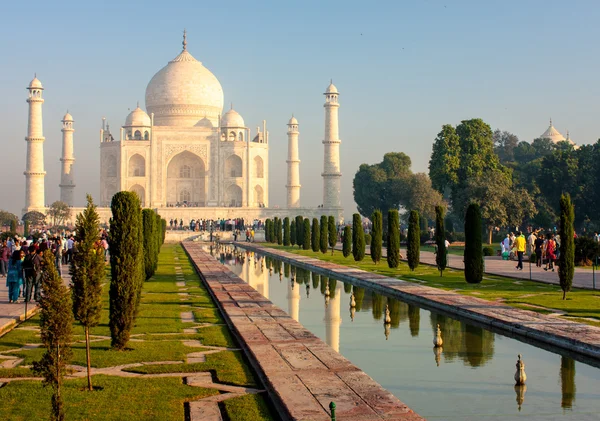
(572, 336)
(302, 373)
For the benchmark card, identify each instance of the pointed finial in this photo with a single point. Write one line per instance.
(184, 43)
(138, 104)
(551, 121)
(231, 105)
(35, 75)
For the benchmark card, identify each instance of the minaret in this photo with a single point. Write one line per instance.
(293, 296)
(333, 318)
(331, 161)
(67, 184)
(34, 171)
(293, 178)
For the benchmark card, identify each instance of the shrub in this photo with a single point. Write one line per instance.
(368, 239)
(413, 245)
(332, 237)
(279, 231)
(393, 239)
(306, 233)
(586, 251)
(149, 222)
(358, 238)
(347, 241)
(267, 224)
(441, 259)
(286, 231)
(323, 235)
(566, 259)
(488, 251)
(299, 230)
(473, 247)
(293, 233)
(315, 242)
(377, 233)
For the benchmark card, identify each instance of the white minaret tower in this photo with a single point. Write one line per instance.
(293, 161)
(67, 184)
(34, 171)
(331, 161)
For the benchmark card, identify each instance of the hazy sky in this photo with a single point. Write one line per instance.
(403, 69)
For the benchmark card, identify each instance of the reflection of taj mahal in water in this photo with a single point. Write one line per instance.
(184, 156)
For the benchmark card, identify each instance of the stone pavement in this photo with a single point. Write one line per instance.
(11, 314)
(302, 374)
(574, 337)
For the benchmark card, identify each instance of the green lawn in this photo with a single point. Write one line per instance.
(579, 305)
(157, 336)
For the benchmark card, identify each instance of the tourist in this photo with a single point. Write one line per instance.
(14, 279)
(4, 256)
(539, 247)
(506, 244)
(105, 247)
(181, 224)
(58, 251)
(28, 267)
(596, 237)
(171, 223)
(519, 244)
(550, 252)
(531, 242)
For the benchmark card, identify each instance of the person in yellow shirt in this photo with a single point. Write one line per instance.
(519, 245)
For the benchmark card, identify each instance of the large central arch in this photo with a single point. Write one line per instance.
(186, 183)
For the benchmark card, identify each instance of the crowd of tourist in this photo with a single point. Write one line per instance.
(200, 224)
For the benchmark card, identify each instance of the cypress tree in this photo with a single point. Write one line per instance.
(441, 258)
(126, 266)
(299, 230)
(157, 238)
(148, 222)
(347, 241)
(376, 236)
(87, 274)
(358, 238)
(293, 233)
(306, 234)
(13, 225)
(323, 234)
(267, 229)
(333, 237)
(279, 228)
(413, 246)
(272, 231)
(56, 324)
(25, 228)
(473, 246)
(164, 230)
(314, 238)
(286, 231)
(566, 260)
(393, 239)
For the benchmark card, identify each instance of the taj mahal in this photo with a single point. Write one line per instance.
(184, 156)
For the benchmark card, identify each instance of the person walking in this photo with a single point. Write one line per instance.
(531, 243)
(14, 279)
(4, 256)
(519, 244)
(539, 247)
(28, 267)
(550, 253)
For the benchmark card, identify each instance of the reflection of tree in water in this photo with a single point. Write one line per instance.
(479, 345)
(394, 306)
(359, 296)
(316, 279)
(347, 288)
(306, 276)
(324, 283)
(377, 303)
(403, 313)
(268, 261)
(414, 320)
(332, 287)
(286, 270)
(567, 382)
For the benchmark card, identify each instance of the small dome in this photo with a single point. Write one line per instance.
(568, 139)
(205, 122)
(554, 135)
(293, 121)
(35, 84)
(331, 89)
(232, 119)
(137, 117)
(67, 117)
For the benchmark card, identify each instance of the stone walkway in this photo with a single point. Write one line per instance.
(574, 337)
(302, 374)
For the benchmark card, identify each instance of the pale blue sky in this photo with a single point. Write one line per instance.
(403, 68)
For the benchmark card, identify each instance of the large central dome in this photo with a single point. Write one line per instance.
(183, 93)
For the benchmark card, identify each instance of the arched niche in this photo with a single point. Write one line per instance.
(259, 167)
(233, 166)
(137, 166)
(186, 178)
(259, 195)
(233, 196)
(141, 192)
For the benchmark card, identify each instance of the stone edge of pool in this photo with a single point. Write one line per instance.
(565, 334)
(301, 373)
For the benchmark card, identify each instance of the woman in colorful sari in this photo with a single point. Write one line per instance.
(14, 280)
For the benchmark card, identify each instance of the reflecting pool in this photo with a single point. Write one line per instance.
(471, 377)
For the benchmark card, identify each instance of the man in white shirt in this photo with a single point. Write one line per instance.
(531, 242)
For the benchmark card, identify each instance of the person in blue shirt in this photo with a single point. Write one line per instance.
(14, 280)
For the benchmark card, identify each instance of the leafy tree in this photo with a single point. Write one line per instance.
(293, 232)
(347, 241)
(59, 212)
(306, 233)
(13, 226)
(315, 236)
(445, 160)
(56, 324)
(413, 245)
(422, 197)
(376, 236)
(148, 223)
(358, 238)
(473, 247)
(286, 231)
(441, 259)
(566, 260)
(393, 239)
(323, 235)
(299, 230)
(87, 274)
(332, 235)
(279, 229)
(6, 218)
(505, 144)
(126, 265)
(34, 218)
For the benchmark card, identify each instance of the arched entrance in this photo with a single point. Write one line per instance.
(186, 181)
(258, 195)
(141, 192)
(233, 196)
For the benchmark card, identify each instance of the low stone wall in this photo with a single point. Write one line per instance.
(301, 373)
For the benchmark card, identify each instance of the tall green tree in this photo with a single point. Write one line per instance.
(59, 212)
(413, 245)
(126, 266)
(149, 233)
(445, 160)
(299, 230)
(347, 241)
(293, 232)
(286, 231)
(566, 259)
(393, 239)
(333, 235)
(87, 274)
(267, 223)
(323, 235)
(441, 259)
(376, 236)
(358, 238)
(56, 324)
(315, 235)
(473, 247)
(279, 229)
(306, 233)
